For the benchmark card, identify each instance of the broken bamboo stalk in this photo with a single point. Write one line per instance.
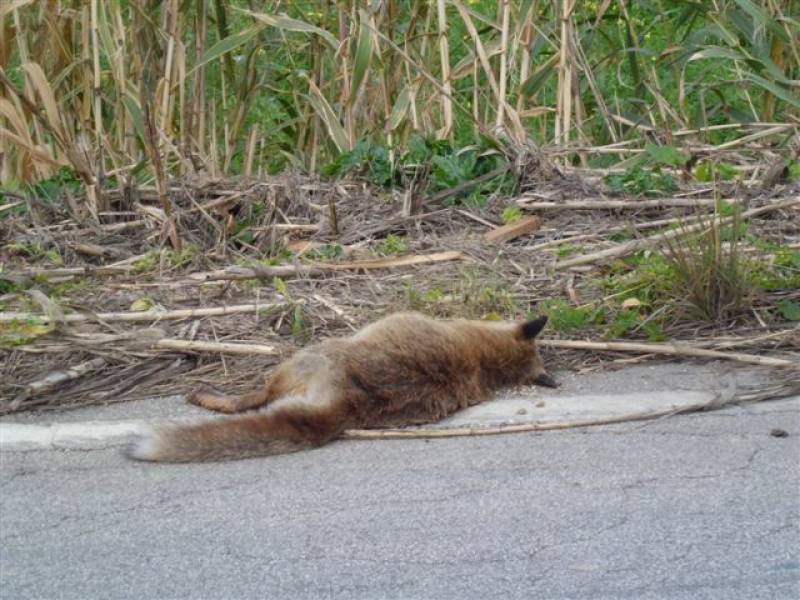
(149, 315)
(220, 347)
(467, 185)
(315, 269)
(634, 245)
(675, 349)
(505, 233)
(617, 204)
(56, 378)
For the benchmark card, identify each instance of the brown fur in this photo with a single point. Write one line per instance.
(404, 369)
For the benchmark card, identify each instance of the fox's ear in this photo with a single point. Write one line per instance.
(531, 329)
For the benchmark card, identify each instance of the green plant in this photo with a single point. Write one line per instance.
(327, 252)
(564, 317)
(185, 256)
(511, 214)
(392, 244)
(708, 272)
(641, 181)
(146, 263)
(710, 171)
(18, 332)
(789, 310)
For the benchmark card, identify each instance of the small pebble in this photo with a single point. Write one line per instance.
(779, 433)
(540, 404)
(522, 411)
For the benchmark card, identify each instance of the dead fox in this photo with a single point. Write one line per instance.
(405, 369)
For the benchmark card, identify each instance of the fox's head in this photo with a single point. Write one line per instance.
(527, 332)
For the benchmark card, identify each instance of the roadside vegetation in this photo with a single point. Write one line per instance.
(163, 153)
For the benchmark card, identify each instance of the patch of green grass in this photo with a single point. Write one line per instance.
(789, 310)
(8, 286)
(642, 181)
(19, 332)
(35, 252)
(781, 272)
(564, 317)
(143, 304)
(67, 289)
(511, 214)
(472, 296)
(146, 263)
(708, 171)
(565, 250)
(185, 256)
(327, 252)
(392, 244)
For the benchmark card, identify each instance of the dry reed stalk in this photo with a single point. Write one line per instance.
(676, 349)
(215, 347)
(144, 316)
(634, 245)
(444, 59)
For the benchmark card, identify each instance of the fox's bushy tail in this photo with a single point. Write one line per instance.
(278, 431)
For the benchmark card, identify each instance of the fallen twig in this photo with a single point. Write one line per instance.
(500, 235)
(467, 185)
(534, 204)
(634, 245)
(316, 269)
(676, 349)
(788, 388)
(149, 315)
(223, 347)
(54, 379)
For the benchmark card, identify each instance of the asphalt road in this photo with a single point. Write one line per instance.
(695, 506)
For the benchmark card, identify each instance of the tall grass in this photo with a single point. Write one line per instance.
(145, 89)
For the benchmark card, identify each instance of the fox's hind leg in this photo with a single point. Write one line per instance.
(229, 404)
(282, 383)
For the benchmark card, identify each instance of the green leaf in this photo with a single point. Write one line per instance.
(399, 109)
(539, 77)
(136, 115)
(362, 57)
(289, 24)
(789, 310)
(776, 90)
(327, 116)
(666, 155)
(224, 46)
(280, 286)
(717, 52)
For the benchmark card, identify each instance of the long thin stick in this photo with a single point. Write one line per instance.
(634, 245)
(223, 347)
(371, 434)
(316, 269)
(532, 204)
(677, 349)
(150, 315)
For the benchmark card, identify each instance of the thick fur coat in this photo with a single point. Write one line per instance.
(405, 369)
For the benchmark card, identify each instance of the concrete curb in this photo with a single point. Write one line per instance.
(569, 411)
(89, 435)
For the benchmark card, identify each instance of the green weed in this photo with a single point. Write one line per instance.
(19, 332)
(511, 214)
(642, 181)
(392, 244)
(564, 317)
(146, 263)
